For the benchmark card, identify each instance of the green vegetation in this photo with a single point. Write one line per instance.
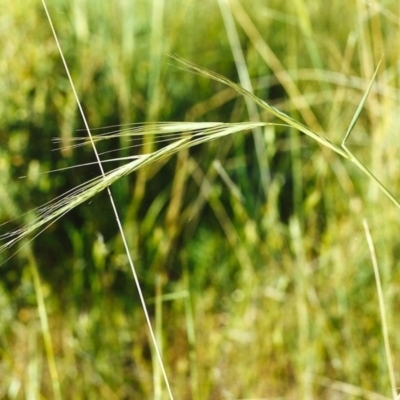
(250, 247)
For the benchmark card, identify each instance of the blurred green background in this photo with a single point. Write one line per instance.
(250, 250)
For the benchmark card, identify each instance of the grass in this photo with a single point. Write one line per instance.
(250, 250)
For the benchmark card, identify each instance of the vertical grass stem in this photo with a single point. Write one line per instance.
(153, 338)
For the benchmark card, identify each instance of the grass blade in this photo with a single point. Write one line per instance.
(361, 105)
(385, 331)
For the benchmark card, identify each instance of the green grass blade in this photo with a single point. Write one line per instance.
(361, 105)
(382, 310)
(371, 176)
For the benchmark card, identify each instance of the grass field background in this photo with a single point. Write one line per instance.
(250, 250)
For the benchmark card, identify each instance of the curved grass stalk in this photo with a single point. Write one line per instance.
(342, 150)
(274, 111)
